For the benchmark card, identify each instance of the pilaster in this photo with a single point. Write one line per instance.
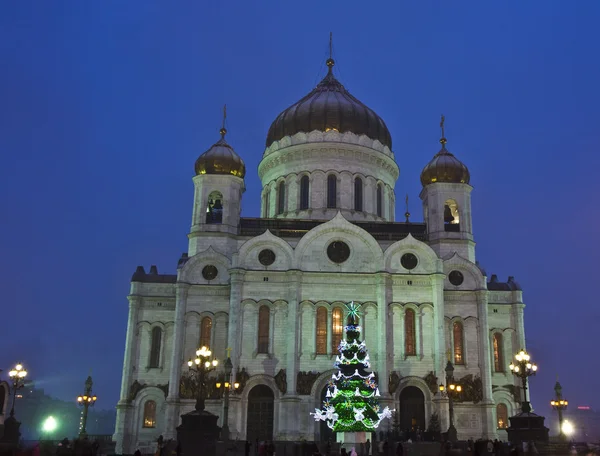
(382, 322)
(438, 326)
(234, 341)
(130, 345)
(518, 310)
(488, 425)
(172, 420)
(294, 278)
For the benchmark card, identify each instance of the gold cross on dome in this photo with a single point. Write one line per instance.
(442, 124)
(228, 350)
(449, 355)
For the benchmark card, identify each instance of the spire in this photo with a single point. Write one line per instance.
(330, 62)
(223, 130)
(443, 140)
(407, 214)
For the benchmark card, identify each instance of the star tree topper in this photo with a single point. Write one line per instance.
(353, 311)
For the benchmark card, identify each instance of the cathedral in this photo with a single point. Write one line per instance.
(270, 292)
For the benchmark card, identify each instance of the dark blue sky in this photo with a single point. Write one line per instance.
(104, 107)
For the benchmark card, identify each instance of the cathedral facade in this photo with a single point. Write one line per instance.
(270, 292)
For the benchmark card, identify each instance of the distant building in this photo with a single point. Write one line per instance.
(272, 289)
(585, 421)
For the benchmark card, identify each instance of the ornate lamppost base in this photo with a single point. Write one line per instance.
(527, 426)
(198, 433)
(11, 432)
(452, 435)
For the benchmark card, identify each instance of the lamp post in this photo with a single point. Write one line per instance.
(451, 389)
(559, 404)
(523, 369)
(202, 365)
(227, 387)
(17, 375)
(86, 401)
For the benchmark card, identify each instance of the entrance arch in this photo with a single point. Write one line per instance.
(260, 414)
(412, 409)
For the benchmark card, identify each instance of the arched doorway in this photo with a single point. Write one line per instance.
(412, 409)
(260, 414)
(325, 432)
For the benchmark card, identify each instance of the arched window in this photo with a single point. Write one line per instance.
(268, 202)
(214, 208)
(457, 331)
(205, 332)
(149, 414)
(304, 192)
(155, 347)
(358, 194)
(331, 191)
(502, 416)
(498, 358)
(281, 198)
(321, 331)
(337, 328)
(379, 201)
(410, 345)
(451, 216)
(264, 313)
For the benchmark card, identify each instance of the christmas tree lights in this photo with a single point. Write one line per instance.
(351, 403)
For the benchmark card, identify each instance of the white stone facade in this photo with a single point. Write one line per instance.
(303, 279)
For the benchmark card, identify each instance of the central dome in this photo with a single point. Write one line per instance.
(329, 107)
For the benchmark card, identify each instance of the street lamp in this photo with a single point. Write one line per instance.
(202, 365)
(523, 369)
(17, 374)
(559, 404)
(227, 386)
(451, 390)
(86, 401)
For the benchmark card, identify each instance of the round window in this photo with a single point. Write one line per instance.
(266, 257)
(456, 278)
(209, 272)
(409, 261)
(338, 251)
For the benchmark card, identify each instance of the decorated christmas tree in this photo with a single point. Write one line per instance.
(351, 404)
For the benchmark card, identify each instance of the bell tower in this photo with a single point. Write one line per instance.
(218, 188)
(446, 197)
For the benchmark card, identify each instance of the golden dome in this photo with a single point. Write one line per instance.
(329, 107)
(445, 167)
(221, 159)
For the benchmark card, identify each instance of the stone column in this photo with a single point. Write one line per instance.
(518, 309)
(438, 326)
(124, 408)
(294, 294)
(290, 401)
(329, 330)
(234, 339)
(383, 357)
(419, 333)
(382, 323)
(131, 344)
(172, 420)
(488, 424)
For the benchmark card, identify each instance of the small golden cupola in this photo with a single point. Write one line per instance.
(221, 158)
(444, 166)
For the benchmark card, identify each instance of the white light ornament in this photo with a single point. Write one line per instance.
(359, 414)
(387, 413)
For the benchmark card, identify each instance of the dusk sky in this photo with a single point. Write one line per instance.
(105, 106)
